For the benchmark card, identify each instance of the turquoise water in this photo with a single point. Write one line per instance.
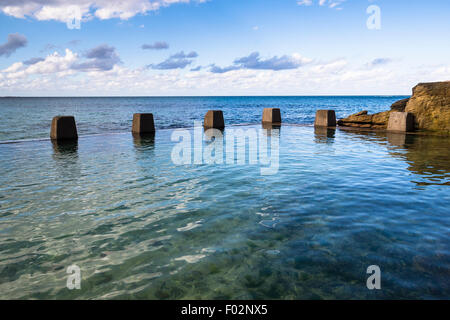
(140, 226)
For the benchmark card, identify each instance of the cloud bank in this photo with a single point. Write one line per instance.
(102, 57)
(98, 71)
(255, 62)
(158, 45)
(177, 61)
(62, 10)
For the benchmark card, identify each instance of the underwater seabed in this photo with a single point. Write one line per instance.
(141, 227)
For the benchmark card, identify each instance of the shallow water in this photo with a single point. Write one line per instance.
(140, 226)
(30, 118)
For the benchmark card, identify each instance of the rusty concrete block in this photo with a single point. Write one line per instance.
(325, 118)
(214, 119)
(63, 128)
(143, 123)
(271, 115)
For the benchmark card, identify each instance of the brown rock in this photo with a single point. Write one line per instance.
(399, 105)
(364, 120)
(358, 119)
(361, 113)
(325, 118)
(143, 123)
(381, 118)
(430, 104)
(271, 115)
(63, 128)
(214, 119)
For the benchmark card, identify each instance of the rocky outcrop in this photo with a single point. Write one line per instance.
(430, 104)
(400, 105)
(364, 120)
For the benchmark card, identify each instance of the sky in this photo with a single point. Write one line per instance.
(221, 47)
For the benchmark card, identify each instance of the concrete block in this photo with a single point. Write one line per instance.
(325, 118)
(271, 115)
(63, 128)
(401, 122)
(143, 123)
(214, 119)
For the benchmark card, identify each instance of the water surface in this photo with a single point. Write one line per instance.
(141, 227)
(30, 118)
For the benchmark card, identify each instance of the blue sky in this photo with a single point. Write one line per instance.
(221, 47)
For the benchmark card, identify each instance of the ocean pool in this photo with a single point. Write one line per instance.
(140, 226)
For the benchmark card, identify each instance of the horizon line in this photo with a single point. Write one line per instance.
(214, 96)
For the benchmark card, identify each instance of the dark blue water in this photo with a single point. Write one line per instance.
(29, 118)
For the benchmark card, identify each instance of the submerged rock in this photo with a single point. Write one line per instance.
(430, 104)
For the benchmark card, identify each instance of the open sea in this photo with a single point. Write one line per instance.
(140, 226)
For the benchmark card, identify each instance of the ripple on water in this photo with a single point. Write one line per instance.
(141, 227)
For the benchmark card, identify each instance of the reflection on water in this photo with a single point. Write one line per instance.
(270, 126)
(269, 129)
(399, 139)
(324, 134)
(428, 156)
(140, 226)
(65, 149)
(65, 155)
(144, 141)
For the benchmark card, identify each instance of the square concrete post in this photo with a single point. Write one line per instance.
(143, 123)
(271, 115)
(63, 128)
(401, 122)
(214, 119)
(325, 118)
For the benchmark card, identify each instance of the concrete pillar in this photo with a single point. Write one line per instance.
(143, 123)
(214, 119)
(401, 122)
(271, 115)
(63, 128)
(325, 118)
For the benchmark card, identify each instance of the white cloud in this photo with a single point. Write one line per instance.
(63, 10)
(304, 2)
(13, 68)
(52, 64)
(330, 67)
(57, 75)
(330, 3)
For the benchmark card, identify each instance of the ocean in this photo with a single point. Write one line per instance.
(140, 225)
(30, 118)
